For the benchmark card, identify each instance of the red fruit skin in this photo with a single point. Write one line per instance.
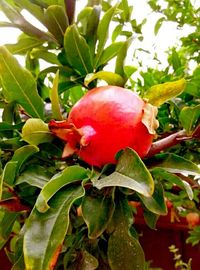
(109, 118)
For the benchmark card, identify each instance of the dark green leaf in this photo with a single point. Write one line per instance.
(130, 173)
(89, 262)
(19, 85)
(124, 251)
(174, 179)
(77, 51)
(156, 203)
(97, 212)
(56, 21)
(67, 176)
(7, 220)
(45, 232)
(12, 168)
(150, 218)
(34, 175)
(176, 164)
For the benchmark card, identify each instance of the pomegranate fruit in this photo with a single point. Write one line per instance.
(193, 219)
(105, 120)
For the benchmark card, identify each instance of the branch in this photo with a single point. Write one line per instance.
(167, 142)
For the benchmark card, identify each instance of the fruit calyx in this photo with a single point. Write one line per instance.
(75, 138)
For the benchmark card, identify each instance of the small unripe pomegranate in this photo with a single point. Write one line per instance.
(105, 120)
(193, 219)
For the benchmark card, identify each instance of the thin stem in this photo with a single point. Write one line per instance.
(167, 142)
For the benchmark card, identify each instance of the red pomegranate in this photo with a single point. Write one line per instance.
(105, 120)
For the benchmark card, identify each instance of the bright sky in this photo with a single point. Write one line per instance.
(168, 35)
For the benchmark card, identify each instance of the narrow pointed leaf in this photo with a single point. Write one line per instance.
(97, 212)
(160, 93)
(45, 232)
(109, 53)
(19, 85)
(77, 51)
(69, 175)
(130, 173)
(121, 57)
(54, 97)
(24, 45)
(176, 164)
(108, 76)
(35, 131)
(102, 32)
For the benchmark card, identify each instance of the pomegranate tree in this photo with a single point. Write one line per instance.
(104, 121)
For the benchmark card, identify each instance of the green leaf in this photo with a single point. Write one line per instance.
(124, 251)
(108, 76)
(7, 220)
(156, 203)
(160, 93)
(102, 32)
(13, 167)
(97, 212)
(45, 232)
(89, 262)
(109, 53)
(34, 175)
(77, 51)
(174, 179)
(45, 55)
(158, 25)
(119, 67)
(189, 117)
(54, 97)
(76, 93)
(92, 25)
(35, 132)
(130, 173)
(8, 175)
(35, 10)
(56, 21)
(24, 45)
(19, 85)
(176, 164)
(116, 32)
(6, 126)
(67, 176)
(150, 218)
(18, 20)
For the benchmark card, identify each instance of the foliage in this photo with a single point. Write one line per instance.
(63, 214)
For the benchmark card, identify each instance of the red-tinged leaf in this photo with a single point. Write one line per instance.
(13, 205)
